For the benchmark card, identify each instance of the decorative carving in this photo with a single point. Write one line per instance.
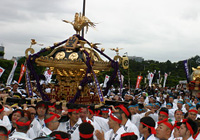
(80, 22)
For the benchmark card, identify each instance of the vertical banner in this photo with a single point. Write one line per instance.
(151, 75)
(122, 77)
(1, 71)
(139, 78)
(107, 77)
(185, 62)
(101, 99)
(165, 79)
(158, 78)
(48, 74)
(28, 82)
(23, 69)
(120, 81)
(10, 77)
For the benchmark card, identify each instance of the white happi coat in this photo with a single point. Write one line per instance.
(152, 137)
(19, 136)
(45, 131)
(36, 126)
(198, 137)
(65, 127)
(102, 122)
(31, 133)
(5, 122)
(130, 127)
(135, 119)
(117, 136)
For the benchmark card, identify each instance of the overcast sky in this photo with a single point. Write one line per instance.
(153, 29)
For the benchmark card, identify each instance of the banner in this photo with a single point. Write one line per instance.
(1, 71)
(185, 62)
(106, 80)
(101, 99)
(139, 78)
(120, 81)
(10, 77)
(122, 77)
(165, 79)
(23, 69)
(48, 74)
(158, 78)
(150, 78)
(28, 82)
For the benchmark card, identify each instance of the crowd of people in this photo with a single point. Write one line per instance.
(150, 113)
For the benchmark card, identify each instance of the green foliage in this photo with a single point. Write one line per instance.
(176, 71)
(2, 53)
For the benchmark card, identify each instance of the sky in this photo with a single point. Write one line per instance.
(158, 30)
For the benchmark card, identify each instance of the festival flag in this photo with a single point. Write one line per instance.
(23, 69)
(139, 78)
(150, 78)
(165, 79)
(28, 82)
(48, 74)
(106, 80)
(122, 77)
(120, 81)
(185, 62)
(10, 77)
(1, 71)
(158, 78)
(101, 99)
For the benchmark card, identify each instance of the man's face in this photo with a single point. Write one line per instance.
(105, 115)
(161, 117)
(33, 113)
(192, 115)
(161, 131)
(83, 113)
(176, 132)
(179, 105)
(178, 116)
(171, 100)
(198, 110)
(15, 86)
(142, 99)
(168, 106)
(89, 115)
(111, 123)
(41, 111)
(55, 123)
(151, 100)
(52, 109)
(187, 107)
(141, 129)
(182, 130)
(132, 110)
(74, 116)
(196, 101)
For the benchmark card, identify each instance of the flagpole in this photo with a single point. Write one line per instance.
(83, 15)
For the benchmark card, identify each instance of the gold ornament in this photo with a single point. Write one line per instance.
(48, 48)
(102, 49)
(95, 58)
(80, 22)
(73, 56)
(79, 87)
(60, 55)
